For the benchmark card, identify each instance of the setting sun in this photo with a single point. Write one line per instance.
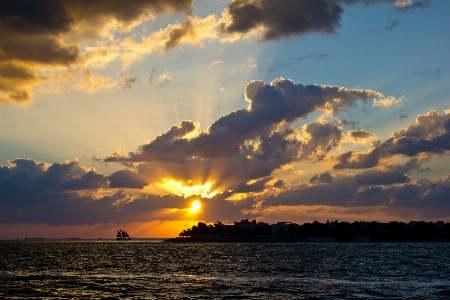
(195, 207)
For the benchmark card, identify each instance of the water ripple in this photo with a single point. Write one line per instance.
(148, 270)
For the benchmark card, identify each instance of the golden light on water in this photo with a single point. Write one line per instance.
(195, 207)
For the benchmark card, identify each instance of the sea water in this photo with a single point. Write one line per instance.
(140, 269)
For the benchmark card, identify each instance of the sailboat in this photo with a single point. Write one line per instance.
(122, 235)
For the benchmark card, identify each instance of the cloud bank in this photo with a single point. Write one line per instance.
(236, 166)
(57, 42)
(46, 34)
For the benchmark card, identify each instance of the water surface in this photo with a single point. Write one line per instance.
(142, 269)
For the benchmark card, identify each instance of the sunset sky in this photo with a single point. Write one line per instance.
(158, 114)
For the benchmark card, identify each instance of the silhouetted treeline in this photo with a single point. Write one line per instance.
(339, 231)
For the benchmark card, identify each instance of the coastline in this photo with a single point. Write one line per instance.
(236, 239)
(283, 239)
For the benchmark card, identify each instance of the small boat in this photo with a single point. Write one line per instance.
(122, 235)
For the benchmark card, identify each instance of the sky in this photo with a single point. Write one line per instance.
(154, 115)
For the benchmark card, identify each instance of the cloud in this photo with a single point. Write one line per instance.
(411, 4)
(388, 101)
(236, 162)
(380, 177)
(267, 19)
(403, 117)
(279, 21)
(165, 78)
(162, 79)
(344, 191)
(345, 122)
(47, 34)
(321, 138)
(430, 135)
(153, 74)
(269, 106)
(90, 82)
(126, 179)
(248, 144)
(185, 28)
(23, 177)
(360, 136)
(402, 5)
(322, 178)
(73, 36)
(215, 63)
(67, 193)
(390, 24)
(128, 81)
(295, 18)
(16, 82)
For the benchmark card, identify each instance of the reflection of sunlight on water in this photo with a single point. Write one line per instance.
(96, 269)
(180, 189)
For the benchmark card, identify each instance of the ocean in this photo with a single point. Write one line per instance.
(150, 269)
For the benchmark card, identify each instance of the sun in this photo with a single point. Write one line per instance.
(195, 206)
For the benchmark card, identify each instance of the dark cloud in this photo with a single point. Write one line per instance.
(270, 105)
(292, 17)
(126, 179)
(279, 184)
(281, 19)
(379, 177)
(36, 34)
(323, 137)
(128, 82)
(389, 176)
(68, 194)
(325, 177)
(33, 17)
(89, 181)
(29, 17)
(423, 195)
(248, 144)
(403, 116)
(365, 188)
(430, 134)
(12, 71)
(175, 35)
(359, 135)
(15, 82)
(30, 29)
(153, 76)
(257, 186)
(434, 71)
(60, 176)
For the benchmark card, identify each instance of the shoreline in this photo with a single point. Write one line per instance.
(275, 239)
(236, 239)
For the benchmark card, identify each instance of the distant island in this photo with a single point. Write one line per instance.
(252, 231)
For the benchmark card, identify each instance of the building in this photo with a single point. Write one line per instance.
(283, 228)
(382, 227)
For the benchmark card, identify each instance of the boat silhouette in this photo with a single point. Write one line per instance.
(122, 235)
